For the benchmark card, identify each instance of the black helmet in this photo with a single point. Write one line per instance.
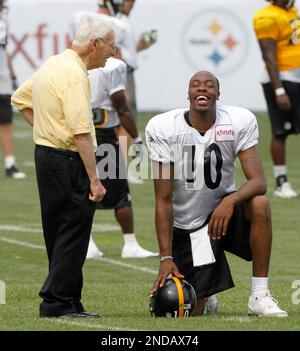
(112, 5)
(177, 298)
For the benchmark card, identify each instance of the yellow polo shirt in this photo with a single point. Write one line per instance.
(59, 94)
(273, 22)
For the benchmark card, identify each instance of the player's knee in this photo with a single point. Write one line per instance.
(259, 206)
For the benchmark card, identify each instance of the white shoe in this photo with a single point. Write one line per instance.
(211, 305)
(262, 303)
(136, 251)
(285, 191)
(94, 255)
(133, 180)
(93, 251)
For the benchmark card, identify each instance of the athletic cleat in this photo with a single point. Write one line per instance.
(93, 251)
(94, 255)
(262, 304)
(136, 251)
(13, 172)
(211, 305)
(285, 191)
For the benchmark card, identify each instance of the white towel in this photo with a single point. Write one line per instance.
(201, 248)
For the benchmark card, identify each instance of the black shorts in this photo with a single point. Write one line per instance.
(211, 279)
(5, 109)
(117, 190)
(284, 122)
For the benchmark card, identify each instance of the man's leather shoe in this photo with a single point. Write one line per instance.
(81, 315)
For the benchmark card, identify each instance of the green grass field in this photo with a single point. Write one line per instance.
(119, 289)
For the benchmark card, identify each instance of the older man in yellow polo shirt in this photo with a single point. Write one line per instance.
(56, 102)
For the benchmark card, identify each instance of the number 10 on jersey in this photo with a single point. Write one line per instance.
(202, 166)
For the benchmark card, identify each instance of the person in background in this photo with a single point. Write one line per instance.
(56, 100)
(277, 30)
(130, 49)
(129, 52)
(110, 109)
(106, 10)
(8, 83)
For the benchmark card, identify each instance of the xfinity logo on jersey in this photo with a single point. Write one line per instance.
(224, 132)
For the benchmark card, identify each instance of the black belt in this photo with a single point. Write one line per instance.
(62, 152)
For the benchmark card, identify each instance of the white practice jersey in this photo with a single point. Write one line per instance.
(120, 28)
(128, 48)
(5, 79)
(105, 82)
(204, 166)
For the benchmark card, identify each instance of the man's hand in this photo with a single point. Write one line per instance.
(97, 191)
(145, 42)
(218, 223)
(283, 102)
(28, 115)
(166, 268)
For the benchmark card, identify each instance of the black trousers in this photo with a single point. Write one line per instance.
(5, 109)
(284, 122)
(67, 216)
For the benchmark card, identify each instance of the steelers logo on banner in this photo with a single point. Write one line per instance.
(215, 40)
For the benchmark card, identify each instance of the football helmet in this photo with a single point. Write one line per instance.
(177, 298)
(112, 5)
(3, 3)
(289, 4)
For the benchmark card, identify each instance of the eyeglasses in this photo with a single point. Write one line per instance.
(114, 47)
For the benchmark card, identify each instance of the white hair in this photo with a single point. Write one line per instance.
(91, 27)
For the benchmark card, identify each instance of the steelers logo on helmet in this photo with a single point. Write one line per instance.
(177, 298)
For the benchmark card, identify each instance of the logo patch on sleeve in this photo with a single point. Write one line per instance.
(224, 132)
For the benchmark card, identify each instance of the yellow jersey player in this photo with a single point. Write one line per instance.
(278, 33)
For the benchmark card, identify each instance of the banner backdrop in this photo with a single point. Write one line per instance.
(214, 35)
